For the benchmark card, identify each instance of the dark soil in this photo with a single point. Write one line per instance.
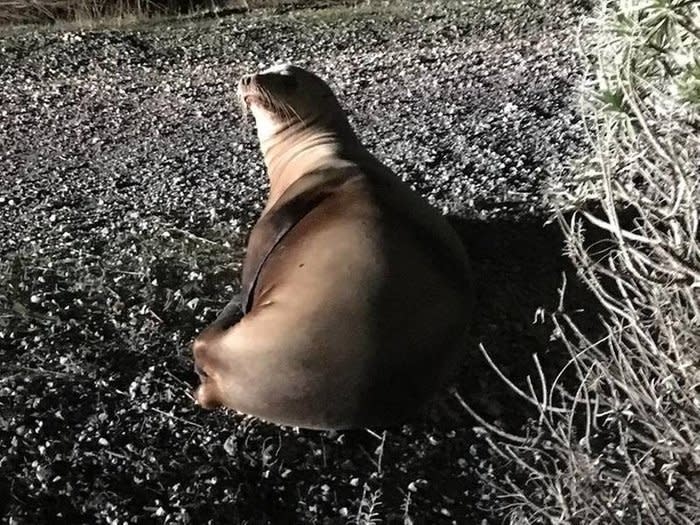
(129, 181)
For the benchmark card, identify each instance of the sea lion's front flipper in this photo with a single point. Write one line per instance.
(302, 197)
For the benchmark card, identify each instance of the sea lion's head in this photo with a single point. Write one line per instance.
(285, 95)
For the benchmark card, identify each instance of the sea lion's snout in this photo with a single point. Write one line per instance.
(248, 84)
(248, 92)
(271, 89)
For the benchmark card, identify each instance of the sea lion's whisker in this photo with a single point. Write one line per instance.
(292, 111)
(243, 105)
(269, 102)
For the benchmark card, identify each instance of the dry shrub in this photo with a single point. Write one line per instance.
(623, 444)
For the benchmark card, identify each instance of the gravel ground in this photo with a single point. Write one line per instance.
(129, 182)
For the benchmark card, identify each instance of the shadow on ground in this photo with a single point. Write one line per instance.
(519, 266)
(101, 426)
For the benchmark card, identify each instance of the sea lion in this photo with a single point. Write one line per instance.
(356, 293)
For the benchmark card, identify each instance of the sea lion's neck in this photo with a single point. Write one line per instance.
(300, 148)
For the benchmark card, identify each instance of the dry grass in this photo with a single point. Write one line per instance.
(33, 11)
(623, 445)
(46, 11)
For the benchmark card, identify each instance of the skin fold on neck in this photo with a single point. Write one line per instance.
(293, 150)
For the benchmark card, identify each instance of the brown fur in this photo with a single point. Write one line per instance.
(357, 293)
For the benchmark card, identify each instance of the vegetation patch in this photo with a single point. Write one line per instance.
(88, 11)
(622, 444)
